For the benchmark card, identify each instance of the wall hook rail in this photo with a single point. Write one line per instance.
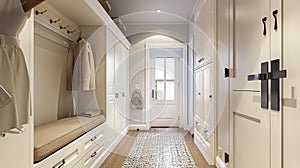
(40, 12)
(54, 21)
(63, 27)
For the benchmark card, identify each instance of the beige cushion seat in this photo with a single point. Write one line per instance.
(50, 137)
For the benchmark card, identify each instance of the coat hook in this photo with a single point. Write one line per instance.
(40, 13)
(54, 21)
(71, 31)
(63, 27)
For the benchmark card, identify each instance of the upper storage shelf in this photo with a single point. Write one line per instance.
(86, 13)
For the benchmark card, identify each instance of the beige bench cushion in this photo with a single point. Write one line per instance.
(50, 137)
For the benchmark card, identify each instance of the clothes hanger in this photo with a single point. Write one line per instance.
(29, 4)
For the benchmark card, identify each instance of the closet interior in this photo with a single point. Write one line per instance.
(80, 76)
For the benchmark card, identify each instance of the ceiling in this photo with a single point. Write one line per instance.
(144, 11)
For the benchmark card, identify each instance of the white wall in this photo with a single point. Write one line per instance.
(137, 65)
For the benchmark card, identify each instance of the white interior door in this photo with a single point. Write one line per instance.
(291, 85)
(164, 84)
(250, 123)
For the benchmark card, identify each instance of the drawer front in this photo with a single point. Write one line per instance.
(90, 157)
(68, 161)
(92, 140)
(76, 153)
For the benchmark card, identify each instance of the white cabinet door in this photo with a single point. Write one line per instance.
(291, 85)
(199, 93)
(205, 111)
(120, 74)
(110, 71)
(204, 32)
(250, 123)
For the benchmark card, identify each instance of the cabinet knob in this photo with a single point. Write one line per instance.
(199, 93)
(210, 96)
(200, 60)
(94, 154)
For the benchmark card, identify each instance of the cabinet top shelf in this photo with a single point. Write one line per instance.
(87, 13)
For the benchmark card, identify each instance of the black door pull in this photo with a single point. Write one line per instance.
(264, 20)
(275, 12)
(226, 72)
(263, 77)
(274, 76)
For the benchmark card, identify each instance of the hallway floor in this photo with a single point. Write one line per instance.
(117, 157)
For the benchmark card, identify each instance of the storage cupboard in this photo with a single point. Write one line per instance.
(204, 111)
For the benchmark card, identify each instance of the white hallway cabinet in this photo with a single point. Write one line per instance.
(205, 75)
(265, 108)
(204, 128)
(117, 69)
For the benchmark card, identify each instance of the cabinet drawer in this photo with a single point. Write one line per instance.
(68, 161)
(92, 141)
(90, 157)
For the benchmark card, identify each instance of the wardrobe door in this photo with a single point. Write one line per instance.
(208, 114)
(291, 85)
(110, 69)
(199, 109)
(119, 118)
(250, 115)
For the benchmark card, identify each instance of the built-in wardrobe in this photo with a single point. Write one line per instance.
(203, 29)
(49, 41)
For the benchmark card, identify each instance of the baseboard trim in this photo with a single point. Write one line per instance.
(164, 127)
(220, 163)
(138, 126)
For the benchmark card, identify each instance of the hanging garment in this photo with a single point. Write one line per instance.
(84, 70)
(72, 56)
(14, 80)
(137, 99)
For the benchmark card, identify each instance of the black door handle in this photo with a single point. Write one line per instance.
(275, 75)
(226, 72)
(275, 12)
(263, 77)
(264, 20)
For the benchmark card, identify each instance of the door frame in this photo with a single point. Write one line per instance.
(183, 116)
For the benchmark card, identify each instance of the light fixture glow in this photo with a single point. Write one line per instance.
(158, 10)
